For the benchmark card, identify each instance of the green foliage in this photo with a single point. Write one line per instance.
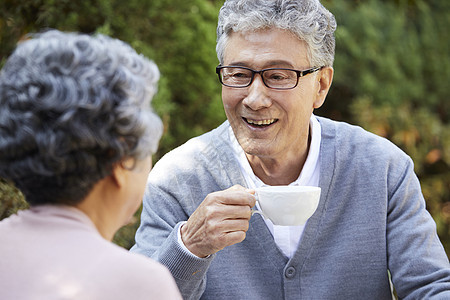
(11, 199)
(394, 53)
(391, 73)
(183, 32)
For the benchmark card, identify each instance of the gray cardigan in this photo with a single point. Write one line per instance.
(371, 218)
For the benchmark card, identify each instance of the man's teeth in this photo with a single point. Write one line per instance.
(261, 122)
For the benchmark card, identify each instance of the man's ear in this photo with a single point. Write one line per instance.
(324, 78)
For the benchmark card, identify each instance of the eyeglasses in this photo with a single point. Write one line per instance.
(274, 78)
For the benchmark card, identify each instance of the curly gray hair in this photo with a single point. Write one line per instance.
(309, 20)
(71, 107)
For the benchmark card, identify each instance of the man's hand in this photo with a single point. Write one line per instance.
(221, 220)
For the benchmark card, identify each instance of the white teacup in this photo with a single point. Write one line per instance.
(287, 205)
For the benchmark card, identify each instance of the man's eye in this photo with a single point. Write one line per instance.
(278, 76)
(240, 75)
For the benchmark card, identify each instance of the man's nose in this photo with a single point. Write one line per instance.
(257, 96)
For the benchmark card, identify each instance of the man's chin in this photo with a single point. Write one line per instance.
(260, 150)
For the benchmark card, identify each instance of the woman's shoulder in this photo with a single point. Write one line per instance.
(126, 275)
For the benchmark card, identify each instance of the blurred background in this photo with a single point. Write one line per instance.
(391, 74)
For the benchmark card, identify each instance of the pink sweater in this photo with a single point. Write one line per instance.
(51, 252)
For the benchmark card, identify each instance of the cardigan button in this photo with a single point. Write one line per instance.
(290, 272)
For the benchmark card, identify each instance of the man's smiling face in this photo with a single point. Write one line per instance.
(270, 123)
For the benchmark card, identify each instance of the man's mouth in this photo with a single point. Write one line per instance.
(260, 123)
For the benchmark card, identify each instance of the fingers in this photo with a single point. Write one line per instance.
(221, 220)
(235, 225)
(227, 210)
(213, 236)
(235, 195)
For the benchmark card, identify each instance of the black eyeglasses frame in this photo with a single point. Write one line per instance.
(300, 73)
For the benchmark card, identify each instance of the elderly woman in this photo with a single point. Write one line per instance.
(276, 60)
(76, 136)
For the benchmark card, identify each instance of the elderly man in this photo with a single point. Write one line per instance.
(276, 62)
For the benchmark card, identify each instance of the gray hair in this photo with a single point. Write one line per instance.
(309, 20)
(72, 106)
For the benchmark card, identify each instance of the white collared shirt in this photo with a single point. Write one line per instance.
(286, 237)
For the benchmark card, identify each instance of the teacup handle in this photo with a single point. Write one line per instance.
(257, 211)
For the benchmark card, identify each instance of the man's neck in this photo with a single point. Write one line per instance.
(281, 171)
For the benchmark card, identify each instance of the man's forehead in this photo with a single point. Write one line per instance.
(268, 47)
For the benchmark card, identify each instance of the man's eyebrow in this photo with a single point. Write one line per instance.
(268, 64)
